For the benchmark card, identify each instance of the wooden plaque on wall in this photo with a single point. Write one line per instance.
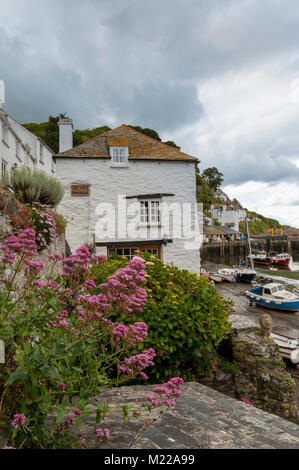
(80, 190)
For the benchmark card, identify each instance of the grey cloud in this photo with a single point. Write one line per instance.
(140, 62)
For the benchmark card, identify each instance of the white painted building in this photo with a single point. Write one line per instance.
(228, 215)
(19, 147)
(124, 175)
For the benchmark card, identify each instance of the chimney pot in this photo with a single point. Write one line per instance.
(65, 134)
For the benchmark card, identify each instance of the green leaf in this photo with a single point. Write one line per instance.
(18, 375)
(51, 371)
(38, 356)
(126, 410)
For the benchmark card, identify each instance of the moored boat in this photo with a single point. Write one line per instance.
(259, 258)
(215, 277)
(245, 274)
(281, 259)
(273, 296)
(228, 274)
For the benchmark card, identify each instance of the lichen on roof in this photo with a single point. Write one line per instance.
(141, 147)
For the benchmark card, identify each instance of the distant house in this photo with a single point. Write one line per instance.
(19, 147)
(228, 215)
(133, 175)
(212, 233)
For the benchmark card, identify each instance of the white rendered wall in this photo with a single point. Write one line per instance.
(229, 217)
(28, 153)
(106, 183)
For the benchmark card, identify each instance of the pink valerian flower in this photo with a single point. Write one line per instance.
(33, 267)
(103, 434)
(24, 243)
(134, 365)
(123, 288)
(77, 412)
(80, 260)
(154, 401)
(55, 257)
(94, 305)
(61, 321)
(68, 421)
(61, 386)
(98, 258)
(168, 392)
(131, 335)
(18, 421)
(90, 284)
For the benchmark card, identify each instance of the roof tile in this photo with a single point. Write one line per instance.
(141, 146)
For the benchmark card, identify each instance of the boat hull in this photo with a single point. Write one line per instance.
(255, 296)
(281, 262)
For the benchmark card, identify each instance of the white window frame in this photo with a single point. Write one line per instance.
(150, 212)
(119, 156)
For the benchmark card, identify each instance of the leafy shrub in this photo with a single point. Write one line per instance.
(44, 224)
(185, 315)
(31, 186)
(60, 222)
(18, 214)
(61, 345)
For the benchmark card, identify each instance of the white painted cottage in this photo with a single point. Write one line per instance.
(125, 191)
(20, 147)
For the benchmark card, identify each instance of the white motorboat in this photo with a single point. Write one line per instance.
(228, 274)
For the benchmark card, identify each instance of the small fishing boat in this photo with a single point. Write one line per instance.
(259, 258)
(273, 296)
(215, 277)
(281, 259)
(245, 274)
(228, 274)
(288, 346)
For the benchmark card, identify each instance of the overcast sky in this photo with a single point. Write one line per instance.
(219, 77)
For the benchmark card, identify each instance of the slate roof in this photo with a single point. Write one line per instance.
(141, 147)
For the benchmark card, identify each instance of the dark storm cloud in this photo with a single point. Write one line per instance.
(144, 62)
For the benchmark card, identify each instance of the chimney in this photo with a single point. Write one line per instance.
(65, 134)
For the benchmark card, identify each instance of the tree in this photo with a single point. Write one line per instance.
(171, 143)
(213, 177)
(147, 131)
(49, 132)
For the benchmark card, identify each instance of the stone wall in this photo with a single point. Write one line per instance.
(6, 229)
(261, 377)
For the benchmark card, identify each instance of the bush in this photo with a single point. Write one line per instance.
(43, 224)
(31, 186)
(185, 316)
(18, 214)
(62, 348)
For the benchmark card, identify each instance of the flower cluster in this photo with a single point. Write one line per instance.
(23, 244)
(135, 365)
(123, 288)
(132, 335)
(167, 392)
(18, 420)
(33, 267)
(44, 224)
(102, 434)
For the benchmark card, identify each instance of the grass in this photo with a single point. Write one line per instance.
(288, 274)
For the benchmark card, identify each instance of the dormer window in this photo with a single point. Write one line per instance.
(119, 155)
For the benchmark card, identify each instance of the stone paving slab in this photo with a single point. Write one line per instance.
(202, 419)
